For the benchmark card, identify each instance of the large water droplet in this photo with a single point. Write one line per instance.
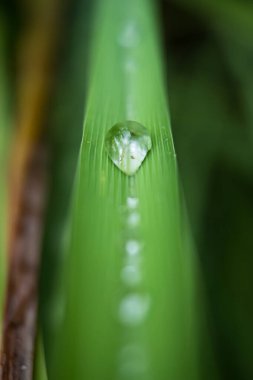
(127, 144)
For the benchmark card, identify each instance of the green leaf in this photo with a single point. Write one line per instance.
(40, 372)
(130, 277)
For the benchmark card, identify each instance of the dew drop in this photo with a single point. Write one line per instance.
(130, 35)
(133, 309)
(133, 219)
(132, 247)
(133, 361)
(127, 144)
(132, 202)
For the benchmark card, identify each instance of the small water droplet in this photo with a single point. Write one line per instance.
(132, 202)
(133, 309)
(127, 144)
(133, 219)
(132, 247)
(130, 35)
(130, 275)
(133, 361)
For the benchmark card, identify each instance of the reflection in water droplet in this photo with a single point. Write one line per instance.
(133, 309)
(131, 275)
(132, 247)
(127, 144)
(130, 35)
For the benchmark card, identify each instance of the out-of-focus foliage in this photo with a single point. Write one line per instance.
(65, 132)
(210, 74)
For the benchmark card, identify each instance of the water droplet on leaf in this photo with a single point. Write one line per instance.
(133, 309)
(133, 362)
(133, 219)
(127, 144)
(129, 36)
(132, 247)
(132, 202)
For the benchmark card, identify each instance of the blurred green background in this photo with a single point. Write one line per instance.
(208, 54)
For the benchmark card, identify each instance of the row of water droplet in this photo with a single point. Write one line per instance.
(135, 304)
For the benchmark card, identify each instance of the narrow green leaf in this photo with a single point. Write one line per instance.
(40, 372)
(131, 310)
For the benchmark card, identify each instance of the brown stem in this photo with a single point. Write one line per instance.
(21, 296)
(37, 48)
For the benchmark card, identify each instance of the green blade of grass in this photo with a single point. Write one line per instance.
(113, 328)
(40, 372)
